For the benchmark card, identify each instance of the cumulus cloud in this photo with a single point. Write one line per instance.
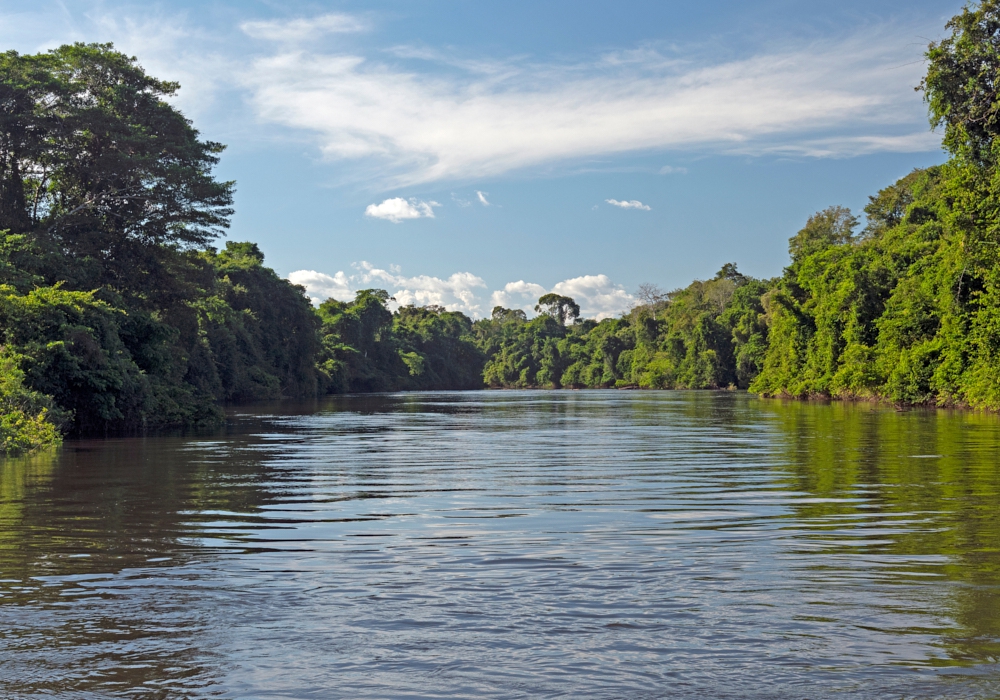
(597, 295)
(482, 198)
(457, 292)
(472, 122)
(518, 295)
(320, 286)
(630, 204)
(398, 209)
(302, 29)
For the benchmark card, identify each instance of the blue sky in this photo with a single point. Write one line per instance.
(474, 153)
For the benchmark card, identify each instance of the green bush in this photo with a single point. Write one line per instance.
(28, 419)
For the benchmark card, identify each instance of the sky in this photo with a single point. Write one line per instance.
(475, 153)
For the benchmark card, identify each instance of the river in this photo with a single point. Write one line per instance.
(591, 544)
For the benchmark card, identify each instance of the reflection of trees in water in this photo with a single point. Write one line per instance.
(20, 480)
(100, 576)
(934, 480)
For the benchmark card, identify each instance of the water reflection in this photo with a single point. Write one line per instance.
(511, 544)
(915, 492)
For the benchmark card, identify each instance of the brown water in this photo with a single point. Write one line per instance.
(509, 545)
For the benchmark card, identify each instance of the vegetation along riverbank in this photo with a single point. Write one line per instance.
(118, 315)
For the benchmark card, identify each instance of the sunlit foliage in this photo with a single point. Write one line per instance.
(116, 315)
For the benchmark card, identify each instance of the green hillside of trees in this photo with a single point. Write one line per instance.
(118, 315)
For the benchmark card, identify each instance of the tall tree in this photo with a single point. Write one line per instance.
(100, 169)
(562, 309)
(962, 85)
(831, 227)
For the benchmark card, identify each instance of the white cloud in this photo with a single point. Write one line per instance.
(672, 170)
(482, 198)
(841, 146)
(471, 122)
(518, 295)
(300, 30)
(630, 204)
(597, 295)
(320, 286)
(398, 209)
(456, 293)
(422, 114)
(166, 44)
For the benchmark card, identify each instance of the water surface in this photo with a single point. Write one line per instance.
(512, 544)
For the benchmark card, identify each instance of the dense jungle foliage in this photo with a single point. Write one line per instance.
(115, 313)
(903, 309)
(118, 315)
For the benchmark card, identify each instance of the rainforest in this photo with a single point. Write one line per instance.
(119, 313)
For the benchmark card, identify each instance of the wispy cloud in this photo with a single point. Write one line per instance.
(482, 198)
(833, 146)
(831, 98)
(630, 204)
(303, 29)
(409, 115)
(672, 170)
(398, 209)
(167, 45)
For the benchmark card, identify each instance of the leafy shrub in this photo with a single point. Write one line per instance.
(28, 419)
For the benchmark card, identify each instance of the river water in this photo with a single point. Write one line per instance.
(593, 544)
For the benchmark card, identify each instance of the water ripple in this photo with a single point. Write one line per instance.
(508, 545)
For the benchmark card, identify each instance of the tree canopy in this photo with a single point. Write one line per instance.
(118, 312)
(561, 308)
(113, 305)
(961, 86)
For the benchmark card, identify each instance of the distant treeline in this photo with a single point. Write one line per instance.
(117, 315)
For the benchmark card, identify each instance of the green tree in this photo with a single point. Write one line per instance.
(961, 86)
(561, 308)
(105, 177)
(831, 227)
(112, 300)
